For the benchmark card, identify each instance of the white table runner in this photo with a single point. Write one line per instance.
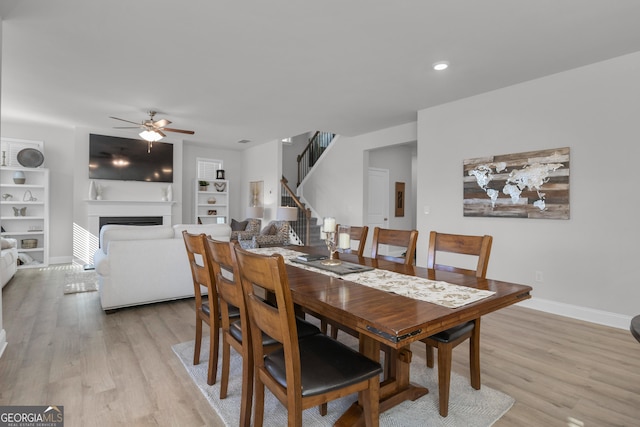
(436, 292)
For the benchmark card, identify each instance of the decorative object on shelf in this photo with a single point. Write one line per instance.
(4, 158)
(28, 197)
(220, 186)
(203, 185)
(6, 197)
(220, 174)
(99, 189)
(211, 201)
(29, 243)
(30, 157)
(93, 192)
(20, 211)
(170, 193)
(19, 178)
(212, 212)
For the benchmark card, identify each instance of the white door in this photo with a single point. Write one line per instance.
(378, 204)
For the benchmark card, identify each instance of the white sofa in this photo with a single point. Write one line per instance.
(8, 260)
(145, 264)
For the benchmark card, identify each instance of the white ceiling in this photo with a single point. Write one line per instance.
(261, 70)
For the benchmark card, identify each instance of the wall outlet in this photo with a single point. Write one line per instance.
(539, 276)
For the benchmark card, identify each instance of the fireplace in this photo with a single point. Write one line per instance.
(130, 220)
(102, 212)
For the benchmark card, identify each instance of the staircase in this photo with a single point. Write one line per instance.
(306, 227)
(318, 143)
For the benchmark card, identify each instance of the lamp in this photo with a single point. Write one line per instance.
(287, 213)
(255, 212)
(151, 136)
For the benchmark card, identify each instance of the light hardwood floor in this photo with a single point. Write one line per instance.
(119, 369)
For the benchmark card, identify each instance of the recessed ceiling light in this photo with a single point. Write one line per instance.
(440, 65)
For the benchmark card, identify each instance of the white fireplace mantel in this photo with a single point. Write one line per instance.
(105, 208)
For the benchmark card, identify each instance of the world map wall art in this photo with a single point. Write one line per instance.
(533, 184)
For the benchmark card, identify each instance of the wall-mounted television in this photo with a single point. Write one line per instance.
(127, 159)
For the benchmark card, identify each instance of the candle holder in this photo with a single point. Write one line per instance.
(336, 241)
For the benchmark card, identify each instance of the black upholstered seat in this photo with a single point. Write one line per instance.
(325, 364)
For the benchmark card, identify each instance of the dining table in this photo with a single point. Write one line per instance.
(384, 316)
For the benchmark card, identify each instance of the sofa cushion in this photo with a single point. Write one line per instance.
(8, 243)
(132, 232)
(238, 225)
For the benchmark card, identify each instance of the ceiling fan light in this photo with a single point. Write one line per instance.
(151, 135)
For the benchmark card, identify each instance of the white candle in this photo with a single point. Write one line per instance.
(323, 235)
(329, 225)
(344, 241)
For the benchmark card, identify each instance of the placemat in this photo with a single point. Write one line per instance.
(341, 269)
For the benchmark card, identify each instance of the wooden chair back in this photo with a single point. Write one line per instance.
(266, 275)
(201, 270)
(479, 246)
(360, 234)
(403, 238)
(260, 275)
(225, 272)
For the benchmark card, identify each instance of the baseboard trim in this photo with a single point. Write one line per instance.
(3, 341)
(61, 260)
(599, 317)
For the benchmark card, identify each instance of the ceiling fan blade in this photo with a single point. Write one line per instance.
(190, 132)
(160, 132)
(161, 123)
(128, 121)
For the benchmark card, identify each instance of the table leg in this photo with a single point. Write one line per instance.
(394, 390)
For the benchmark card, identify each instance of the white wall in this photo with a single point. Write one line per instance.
(587, 261)
(338, 185)
(398, 160)
(263, 163)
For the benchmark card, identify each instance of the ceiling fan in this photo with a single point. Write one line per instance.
(152, 130)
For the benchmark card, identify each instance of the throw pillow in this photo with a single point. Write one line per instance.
(269, 231)
(238, 225)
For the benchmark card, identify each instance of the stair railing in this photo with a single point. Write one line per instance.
(303, 224)
(312, 152)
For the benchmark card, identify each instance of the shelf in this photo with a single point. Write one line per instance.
(23, 233)
(14, 202)
(21, 218)
(31, 250)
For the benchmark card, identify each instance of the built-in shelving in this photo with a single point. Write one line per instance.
(24, 213)
(212, 204)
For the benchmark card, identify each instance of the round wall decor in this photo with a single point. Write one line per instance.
(30, 157)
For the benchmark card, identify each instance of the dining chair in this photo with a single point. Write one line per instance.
(358, 233)
(400, 238)
(304, 372)
(236, 333)
(446, 341)
(207, 310)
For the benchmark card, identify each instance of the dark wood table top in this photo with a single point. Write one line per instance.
(393, 319)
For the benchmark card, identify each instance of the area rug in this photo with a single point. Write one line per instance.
(80, 281)
(467, 407)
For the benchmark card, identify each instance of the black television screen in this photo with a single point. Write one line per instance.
(127, 159)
